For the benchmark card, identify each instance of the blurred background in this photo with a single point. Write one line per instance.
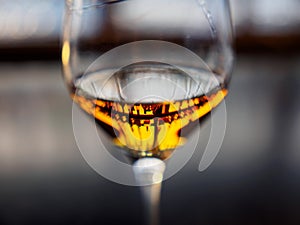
(254, 180)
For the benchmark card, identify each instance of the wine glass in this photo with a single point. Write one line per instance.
(148, 71)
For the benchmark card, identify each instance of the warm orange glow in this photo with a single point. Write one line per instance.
(65, 56)
(150, 127)
(65, 53)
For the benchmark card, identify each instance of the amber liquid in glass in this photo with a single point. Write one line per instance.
(149, 129)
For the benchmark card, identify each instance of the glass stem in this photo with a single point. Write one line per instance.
(149, 175)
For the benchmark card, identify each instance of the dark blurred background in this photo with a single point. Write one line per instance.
(254, 180)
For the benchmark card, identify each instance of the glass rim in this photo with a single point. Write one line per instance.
(80, 5)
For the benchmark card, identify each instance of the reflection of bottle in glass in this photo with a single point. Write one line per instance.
(148, 123)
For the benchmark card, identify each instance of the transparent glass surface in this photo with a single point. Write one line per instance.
(147, 70)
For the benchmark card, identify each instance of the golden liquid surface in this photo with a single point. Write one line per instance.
(149, 129)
